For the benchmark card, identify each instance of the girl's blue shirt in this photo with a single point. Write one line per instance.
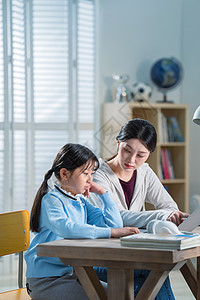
(62, 217)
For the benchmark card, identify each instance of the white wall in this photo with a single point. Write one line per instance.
(190, 92)
(134, 34)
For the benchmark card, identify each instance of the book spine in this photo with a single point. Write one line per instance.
(160, 129)
(170, 130)
(178, 137)
(170, 168)
(164, 129)
(171, 165)
(164, 164)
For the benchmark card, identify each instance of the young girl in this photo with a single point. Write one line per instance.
(59, 213)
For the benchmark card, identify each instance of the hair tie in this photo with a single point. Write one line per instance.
(48, 174)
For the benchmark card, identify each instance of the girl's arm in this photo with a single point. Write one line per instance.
(58, 220)
(109, 214)
(68, 220)
(119, 232)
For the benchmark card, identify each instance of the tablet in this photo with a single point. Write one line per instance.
(191, 222)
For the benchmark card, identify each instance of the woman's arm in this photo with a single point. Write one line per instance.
(142, 218)
(161, 199)
(157, 194)
(130, 218)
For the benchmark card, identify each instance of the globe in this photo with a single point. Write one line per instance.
(166, 74)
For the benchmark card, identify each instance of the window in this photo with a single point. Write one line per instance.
(47, 84)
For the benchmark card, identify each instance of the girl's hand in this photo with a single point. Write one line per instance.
(94, 188)
(119, 232)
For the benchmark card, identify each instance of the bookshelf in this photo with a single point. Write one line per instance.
(114, 116)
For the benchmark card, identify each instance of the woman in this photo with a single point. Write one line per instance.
(131, 182)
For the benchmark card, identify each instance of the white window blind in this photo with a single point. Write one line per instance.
(86, 138)
(47, 142)
(18, 63)
(18, 106)
(85, 60)
(50, 60)
(47, 76)
(20, 171)
(86, 71)
(50, 82)
(47, 84)
(63, 72)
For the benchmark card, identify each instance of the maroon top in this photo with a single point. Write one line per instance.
(128, 188)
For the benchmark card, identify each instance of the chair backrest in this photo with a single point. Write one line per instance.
(15, 236)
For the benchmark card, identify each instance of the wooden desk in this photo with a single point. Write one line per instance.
(121, 261)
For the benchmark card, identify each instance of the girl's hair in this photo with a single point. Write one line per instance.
(70, 157)
(141, 130)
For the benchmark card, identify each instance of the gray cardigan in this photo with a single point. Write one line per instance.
(148, 188)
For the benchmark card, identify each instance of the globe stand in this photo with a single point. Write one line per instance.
(165, 99)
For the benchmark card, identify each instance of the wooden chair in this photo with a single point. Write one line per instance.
(15, 238)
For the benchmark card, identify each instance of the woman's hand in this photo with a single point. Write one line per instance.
(119, 232)
(177, 217)
(94, 188)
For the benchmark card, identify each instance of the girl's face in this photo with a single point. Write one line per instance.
(132, 154)
(78, 181)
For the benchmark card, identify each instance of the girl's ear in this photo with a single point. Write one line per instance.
(64, 174)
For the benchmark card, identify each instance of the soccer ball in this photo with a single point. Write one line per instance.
(141, 92)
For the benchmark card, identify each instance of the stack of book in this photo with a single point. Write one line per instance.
(169, 241)
(167, 170)
(178, 241)
(170, 130)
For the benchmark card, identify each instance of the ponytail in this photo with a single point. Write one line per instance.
(35, 211)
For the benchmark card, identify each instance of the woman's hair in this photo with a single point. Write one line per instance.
(141, 130)
(70, 157)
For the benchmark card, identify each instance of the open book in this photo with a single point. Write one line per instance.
(166, 235)
(165, 241)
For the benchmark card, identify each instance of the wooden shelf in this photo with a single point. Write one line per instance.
(172, 181)
(172, 144)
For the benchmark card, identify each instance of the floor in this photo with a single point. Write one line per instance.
(179, 286)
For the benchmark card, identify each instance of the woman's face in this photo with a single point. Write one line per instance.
(132, 154)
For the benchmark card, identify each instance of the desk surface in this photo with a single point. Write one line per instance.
(110, 249)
